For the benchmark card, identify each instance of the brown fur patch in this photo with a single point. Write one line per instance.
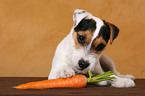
(87, 34)
(96, 42)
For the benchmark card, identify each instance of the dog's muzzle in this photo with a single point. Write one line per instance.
(83, 64)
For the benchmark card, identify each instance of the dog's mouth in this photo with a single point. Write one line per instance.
(81, 69)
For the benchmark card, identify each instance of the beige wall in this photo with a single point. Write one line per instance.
(31, 29)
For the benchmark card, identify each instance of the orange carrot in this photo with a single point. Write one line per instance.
(75, 81)
(78, 81)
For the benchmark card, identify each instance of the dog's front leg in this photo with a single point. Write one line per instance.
(61, 64)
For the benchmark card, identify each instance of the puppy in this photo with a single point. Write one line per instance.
(83, 47)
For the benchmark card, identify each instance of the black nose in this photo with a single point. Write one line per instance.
(83, 64)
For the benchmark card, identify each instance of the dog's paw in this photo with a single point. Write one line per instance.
(129, 77)
(123, 83)
(103, 83)
(65, 73)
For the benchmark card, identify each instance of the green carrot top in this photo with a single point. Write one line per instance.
(98, 78)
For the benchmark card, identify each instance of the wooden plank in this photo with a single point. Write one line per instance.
(6, 84)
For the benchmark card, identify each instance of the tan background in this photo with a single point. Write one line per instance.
(31, 29)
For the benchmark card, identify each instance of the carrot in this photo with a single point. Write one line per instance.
(77, 81)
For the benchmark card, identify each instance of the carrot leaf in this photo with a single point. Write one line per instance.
(90, 73)
(101, 77)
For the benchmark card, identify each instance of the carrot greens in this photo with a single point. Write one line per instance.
(101, 77)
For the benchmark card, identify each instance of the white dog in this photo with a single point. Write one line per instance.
(83, 49)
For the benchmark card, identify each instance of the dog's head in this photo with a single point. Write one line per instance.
(91, 36)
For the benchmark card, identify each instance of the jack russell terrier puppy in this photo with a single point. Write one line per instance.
(82, 49)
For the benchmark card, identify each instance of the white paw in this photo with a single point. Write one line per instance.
(65, 73)
(103, 83)
(129, 77)
(123, 83)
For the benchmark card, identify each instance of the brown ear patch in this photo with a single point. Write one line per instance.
(82, 38)
(114, 31)
(98, 45)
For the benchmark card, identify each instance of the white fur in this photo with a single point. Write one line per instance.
(65, 61)
(122, 82)
(99, 24)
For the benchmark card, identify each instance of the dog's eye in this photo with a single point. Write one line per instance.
(81, 39)
(100, 47)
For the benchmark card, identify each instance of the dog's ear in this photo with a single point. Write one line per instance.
(114, 31)
(79, 15)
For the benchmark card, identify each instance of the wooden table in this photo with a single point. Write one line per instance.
(6, 84)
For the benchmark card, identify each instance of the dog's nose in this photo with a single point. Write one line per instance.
(83, 64)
